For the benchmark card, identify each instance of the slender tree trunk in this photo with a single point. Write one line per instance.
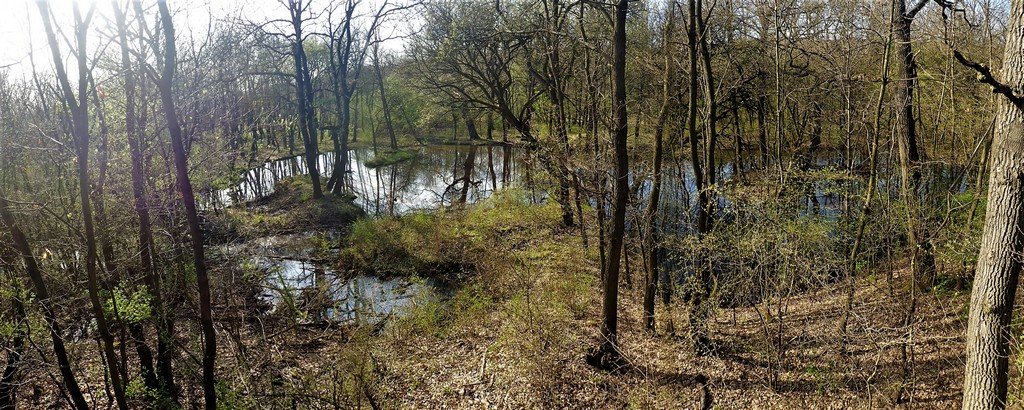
(762, 133)
(304, 98)
(470, 125)
(922, 261)
(162, 322)
(490, 126)
(78, 105)
(384, 101)
(9, 378)
(779, 98)
(691, 122)
(1002, 242)
(738, 141)
(608, 352)
(651, 229)
(42, 297)
(191, 213)
(869, 191)
(710, 124)
(698, 327)
(467, 174)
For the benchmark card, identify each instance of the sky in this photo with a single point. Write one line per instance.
(21, 29)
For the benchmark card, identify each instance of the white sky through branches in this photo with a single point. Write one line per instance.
(21, 29)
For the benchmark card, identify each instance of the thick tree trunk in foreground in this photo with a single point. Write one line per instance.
(189, 200)
(1002, 243)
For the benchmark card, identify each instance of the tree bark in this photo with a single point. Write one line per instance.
(1002, 242)
(711, 118)
(188, 199)
(163, 323)
(923, 262)
(304, 98)
(78, 105)
(608, 351)
(651, 238)
(869, 191)
(387, 108)
(697, 327)
(762, 133)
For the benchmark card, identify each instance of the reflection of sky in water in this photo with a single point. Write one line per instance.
(445, 175)
(437, 176)
(321, 292)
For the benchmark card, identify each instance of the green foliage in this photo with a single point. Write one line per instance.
(129, 307)
(386, 158)
(289, 209)
(768, 249)
(403, 246)
(957, 248)
(447, 241)
(229, 399)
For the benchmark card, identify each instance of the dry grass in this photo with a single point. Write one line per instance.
(525, 347)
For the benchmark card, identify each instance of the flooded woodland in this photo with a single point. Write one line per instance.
(383, 204)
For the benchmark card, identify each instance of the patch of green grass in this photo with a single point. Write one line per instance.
(289, 209)
(386, 158)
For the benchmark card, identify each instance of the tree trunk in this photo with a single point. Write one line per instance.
(467, 174)
(470, 125)
(9, 377)
(162, 321)
(738, 141)
(42, 297)
(711, 119)
(691, 121)
(384, 100)
(78, 106)
(697, 321)
(923, 263)
(490, 126)
(650, 239)
(608, 352)
(869, 191)
(762, 133)
(191, 214)
(999, 263)
(304, 98)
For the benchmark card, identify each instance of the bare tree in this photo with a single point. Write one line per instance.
(78, 105)
(607, 354)
(162, 321)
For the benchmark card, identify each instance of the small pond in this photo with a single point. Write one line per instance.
(297, 281)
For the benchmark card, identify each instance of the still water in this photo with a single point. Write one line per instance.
(442, 176)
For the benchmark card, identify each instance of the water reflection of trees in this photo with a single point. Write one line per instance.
(437, 176)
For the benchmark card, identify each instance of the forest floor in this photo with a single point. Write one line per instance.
(515, 331)
(520, 310)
